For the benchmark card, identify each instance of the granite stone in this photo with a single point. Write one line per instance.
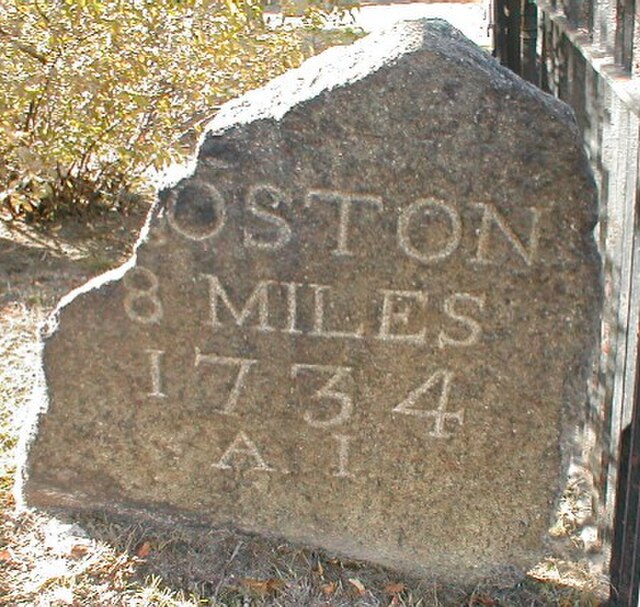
(362, 319)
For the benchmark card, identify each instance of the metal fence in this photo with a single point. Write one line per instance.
(587, 52)
(515, 30)
(610, 25)
(625, 558)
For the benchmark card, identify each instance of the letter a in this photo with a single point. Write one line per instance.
(243, 445)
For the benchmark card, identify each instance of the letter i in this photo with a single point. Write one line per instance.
(343, 456)
(292, 307)
(156, 377)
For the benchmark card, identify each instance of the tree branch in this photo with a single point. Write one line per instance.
(25, 48)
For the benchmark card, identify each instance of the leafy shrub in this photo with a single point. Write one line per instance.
(94, 93)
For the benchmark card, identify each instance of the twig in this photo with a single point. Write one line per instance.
(223, 573)
(25, 48)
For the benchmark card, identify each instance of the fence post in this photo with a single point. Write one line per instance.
(515, 34)
(530, 41)
(625, 558)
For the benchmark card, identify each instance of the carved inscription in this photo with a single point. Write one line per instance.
(345, 203)
(141, 301)
(396, 307)
(328, 391)
(292, 307)
(329, 404)
(242, 365)
(429, 206)
(267, 227)
(491, 217)
(155, 356)
(343, 456)
(439, 414)
(395, 310)
(428, 231)
(259, 208)
(469, 324)
(209, 203)
(319, 327)
(258, 304)
(243, 448)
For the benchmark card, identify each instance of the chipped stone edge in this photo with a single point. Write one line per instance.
(39, 400)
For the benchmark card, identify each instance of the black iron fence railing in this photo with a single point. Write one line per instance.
(611, 29)
(625, 558)
(515, 31)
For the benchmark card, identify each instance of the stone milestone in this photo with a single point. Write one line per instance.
(362, 320)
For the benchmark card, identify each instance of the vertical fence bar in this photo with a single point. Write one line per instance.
(625, 557)
(625, 560)
(514, 50)
(530, 41)
(515, 36)
(499, 24)
(624, 37)
(507, 22)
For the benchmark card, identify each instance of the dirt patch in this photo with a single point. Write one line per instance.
(46, 261)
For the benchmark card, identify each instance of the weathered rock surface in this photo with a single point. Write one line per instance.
(363, 321)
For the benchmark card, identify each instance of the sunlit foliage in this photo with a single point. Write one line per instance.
(94, 93)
